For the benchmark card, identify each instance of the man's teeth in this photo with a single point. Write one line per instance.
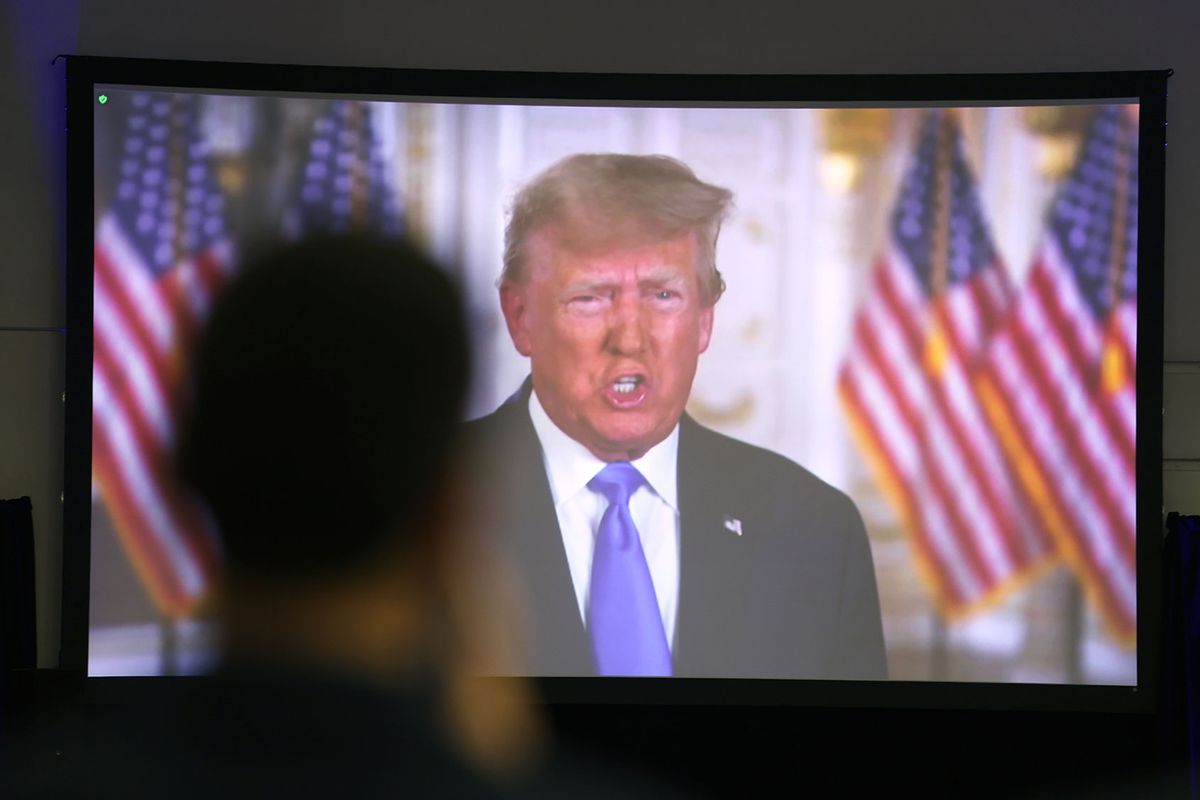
(625, 385)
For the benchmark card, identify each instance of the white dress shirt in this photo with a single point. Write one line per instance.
(654, 507)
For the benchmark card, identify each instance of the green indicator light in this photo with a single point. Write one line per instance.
(102, 99)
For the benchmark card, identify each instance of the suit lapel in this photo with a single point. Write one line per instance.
(714, 560)
(529, 527)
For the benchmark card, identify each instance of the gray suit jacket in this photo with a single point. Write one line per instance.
(793, 596)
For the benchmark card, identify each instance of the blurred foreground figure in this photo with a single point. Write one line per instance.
(327, 400)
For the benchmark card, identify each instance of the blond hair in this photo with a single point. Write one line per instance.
(598, 201)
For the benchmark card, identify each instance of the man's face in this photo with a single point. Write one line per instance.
(613, 338)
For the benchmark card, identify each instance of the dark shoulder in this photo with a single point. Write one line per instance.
(499, 418)
(773, 480)
(510, 418)
(505, 436)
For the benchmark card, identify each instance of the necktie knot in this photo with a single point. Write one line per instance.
(617, 482)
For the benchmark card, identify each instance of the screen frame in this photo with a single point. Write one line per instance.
(1148, 88)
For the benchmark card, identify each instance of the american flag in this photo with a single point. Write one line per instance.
(937, 293)
(161, 253)
(346, 183)
(1059, 387)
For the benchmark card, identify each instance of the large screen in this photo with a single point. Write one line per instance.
(925, 359)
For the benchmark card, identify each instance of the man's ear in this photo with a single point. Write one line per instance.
(706, 326)
(514, 302)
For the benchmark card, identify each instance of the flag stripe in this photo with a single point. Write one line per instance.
(961, 496)
(998, 296)
(1075, 415)
(137, 482)
(981, 451)
(1124, 400)
(892, 326)
(985, 469)
(953, 579)
(189, 287)
(1070, 491)
(136, 430)
(1054, 304)
(1126, 320)
(973, 313)
(131, 280)
(877, 383)
(885, 365)
(133, 368)
(1074, 459)
(123, 508)
(1008, 404)
(951, 449)
(150, 562)
(120, 308)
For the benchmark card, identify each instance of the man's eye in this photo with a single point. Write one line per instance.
(666, 294)
(586, 303)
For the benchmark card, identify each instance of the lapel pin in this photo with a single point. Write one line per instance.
(733, 524)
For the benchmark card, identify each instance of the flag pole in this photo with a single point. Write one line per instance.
(168, 646)
(1075, 623)
(939, 649)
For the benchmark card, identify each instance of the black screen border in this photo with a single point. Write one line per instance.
(1148, 88)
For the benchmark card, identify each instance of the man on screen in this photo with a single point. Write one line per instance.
(648, 544)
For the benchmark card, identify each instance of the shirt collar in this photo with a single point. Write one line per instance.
(570, 465)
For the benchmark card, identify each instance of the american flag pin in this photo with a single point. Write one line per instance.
(733, 524)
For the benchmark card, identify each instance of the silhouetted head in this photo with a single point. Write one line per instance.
(329, 387)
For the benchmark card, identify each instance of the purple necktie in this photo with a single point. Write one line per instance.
(623, 617)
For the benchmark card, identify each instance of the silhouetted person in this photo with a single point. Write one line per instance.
(328, 394)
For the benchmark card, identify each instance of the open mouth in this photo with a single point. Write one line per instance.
(626, 391)
(626, 384)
